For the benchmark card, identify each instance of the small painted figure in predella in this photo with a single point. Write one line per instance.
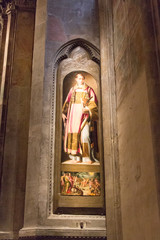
(80, 183)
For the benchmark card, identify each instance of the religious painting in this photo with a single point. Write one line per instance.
(80, 116)
(78, 165)
(80, 184)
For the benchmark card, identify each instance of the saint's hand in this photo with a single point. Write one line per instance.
(64, 117)
(85, 110)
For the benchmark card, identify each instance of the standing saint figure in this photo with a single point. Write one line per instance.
(79, 112)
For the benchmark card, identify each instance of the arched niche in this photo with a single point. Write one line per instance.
(78, 57)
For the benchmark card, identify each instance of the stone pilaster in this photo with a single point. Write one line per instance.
(138, 104)
(32, 208)
(151, 32)
(111, 163)
(15, 99)
(8, 18)
(3, 23)
(26, 5)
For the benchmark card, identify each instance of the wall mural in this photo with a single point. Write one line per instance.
(80, 183)
(80, 141)
(79, 114)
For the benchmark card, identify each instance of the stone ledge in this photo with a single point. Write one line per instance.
(61, 238)
(13, 235)
(6, 235)
(61, 232)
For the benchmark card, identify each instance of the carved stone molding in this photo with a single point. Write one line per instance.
(1, 27)
(25, 3)
(58, 238)
(6, 6)
(10, 7)
(61, 238)
(65, 51)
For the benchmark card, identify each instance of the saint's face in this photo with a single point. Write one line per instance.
(79, 79)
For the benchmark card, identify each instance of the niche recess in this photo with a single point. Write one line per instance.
(76, 56)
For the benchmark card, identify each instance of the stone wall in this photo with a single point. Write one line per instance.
(136, 74)
(69, 20)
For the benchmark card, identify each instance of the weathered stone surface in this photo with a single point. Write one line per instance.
(136, 74)
(55, 30)
(123, 77)
(78, 19)
(137, 180)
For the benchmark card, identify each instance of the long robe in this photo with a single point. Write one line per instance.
(78, 97)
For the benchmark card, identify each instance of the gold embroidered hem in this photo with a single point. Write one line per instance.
(73, 140)
(85, 150)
